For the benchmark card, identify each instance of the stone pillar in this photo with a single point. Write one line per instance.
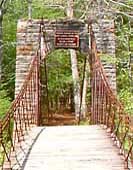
(105, 39)
(27, 44)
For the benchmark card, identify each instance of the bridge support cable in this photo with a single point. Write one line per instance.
(107, 110)
(38, 93)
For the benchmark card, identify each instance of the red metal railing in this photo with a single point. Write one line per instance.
(22, 115)
(107, 110)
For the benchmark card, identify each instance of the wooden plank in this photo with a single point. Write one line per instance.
(74, 148)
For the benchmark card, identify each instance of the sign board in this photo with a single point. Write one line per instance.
(66, 39)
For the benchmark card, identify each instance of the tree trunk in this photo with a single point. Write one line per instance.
(74, 66)
(70, 8)
(84, 91)
(29, 9)
(76, 83)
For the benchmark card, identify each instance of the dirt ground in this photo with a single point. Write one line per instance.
(58, 119)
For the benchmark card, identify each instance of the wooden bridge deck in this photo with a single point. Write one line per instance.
(74, 148)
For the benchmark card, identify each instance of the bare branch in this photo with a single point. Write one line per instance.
(84, 15)
(124, 13)
(119, 3)
(2, 3)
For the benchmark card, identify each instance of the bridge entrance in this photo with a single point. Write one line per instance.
(52, 35)
(56, 109)
(58, 89)
(58, 34)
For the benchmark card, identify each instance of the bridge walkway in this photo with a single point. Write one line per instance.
(74, 148)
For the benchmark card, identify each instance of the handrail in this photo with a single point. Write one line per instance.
(106, 108)
(21, 116)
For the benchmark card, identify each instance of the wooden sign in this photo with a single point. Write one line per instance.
(66, 39)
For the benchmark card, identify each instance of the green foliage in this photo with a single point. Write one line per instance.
(127, 99)
(123, 81)
(59, 72)
(4, 103)
(123, 51)
(41, 11)
(47, 13)
(84, 122)
(15, 10)
(8, 64)
(109, 59)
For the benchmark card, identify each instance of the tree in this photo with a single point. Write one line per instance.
(85, 85)
(74, 66)
(15, 9)
(2, 12)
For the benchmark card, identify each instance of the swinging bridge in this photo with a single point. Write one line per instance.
(27, 144)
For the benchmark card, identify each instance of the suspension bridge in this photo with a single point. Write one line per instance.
(26, 144)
